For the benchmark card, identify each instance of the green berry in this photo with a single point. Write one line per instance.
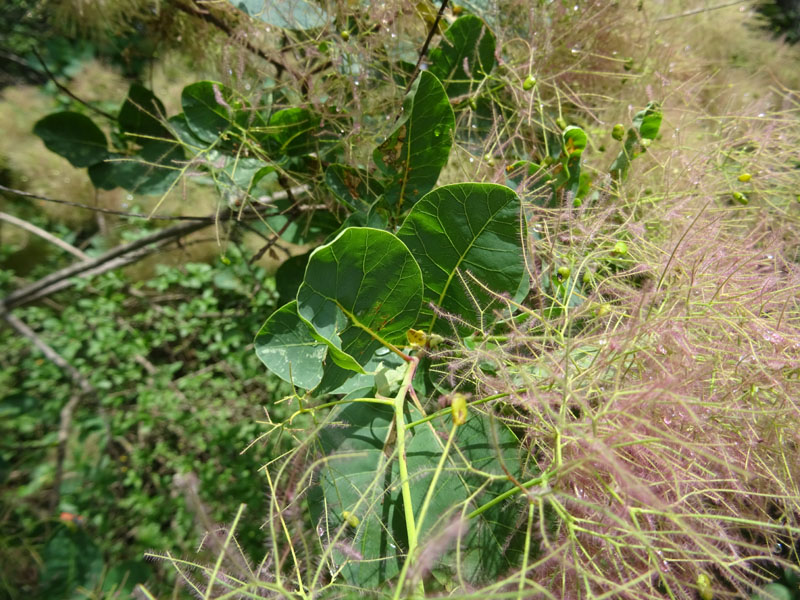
(529, 82)
(618, 132)
(745, 177)
(344, 34)
(620, 248)
(740, 198)
(561, 122)
(563, 273)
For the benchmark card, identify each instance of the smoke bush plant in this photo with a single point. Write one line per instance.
(574, 379)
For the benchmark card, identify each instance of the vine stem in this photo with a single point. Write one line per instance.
(408, 506)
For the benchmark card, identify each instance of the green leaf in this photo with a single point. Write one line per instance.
(153, 170)
(413, 155)
(361, 291)
(287, 347)
(123, 577)
(461, 228)
(574, 140)
(289, 276)
(297, 15)
(294, 131)
(181, 128)
(646, 124)
(212, 109)
(648, 121)
(465, 56)
(353, 187)
(141, 114)
(358, 477)
(70, 560)
(73, 136)
(307, 227)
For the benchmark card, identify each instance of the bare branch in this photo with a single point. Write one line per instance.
(43, 234)
(69, 92)
(114, 258)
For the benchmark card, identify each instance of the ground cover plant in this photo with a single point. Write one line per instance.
(545, 340)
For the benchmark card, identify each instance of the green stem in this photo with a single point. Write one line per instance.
(508, 493)
(408, 506)
(426, 503)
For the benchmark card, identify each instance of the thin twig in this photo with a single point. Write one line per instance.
(43, 234)
(212, 19)
(114, 258)
(697, 11)
(69, 93)
(261, 201)
(108, 211)
(424, 50)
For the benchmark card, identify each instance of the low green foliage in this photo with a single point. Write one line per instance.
(179, 388)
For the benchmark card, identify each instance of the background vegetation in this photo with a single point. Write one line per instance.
(654, 376)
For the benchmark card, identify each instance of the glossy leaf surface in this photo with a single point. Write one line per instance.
(361, 476)
(73, 136)
(361, 291)
(464, 57)
(458, 229)
(413, 155)
(285, 345)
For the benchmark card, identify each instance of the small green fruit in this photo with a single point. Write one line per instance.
(745, 177)
(561, 122)
(587, 277)
(458, 409)
(473, 104)
(620, 248)
(704, 589)
(345, 35)
(618, 132)
(351, 519)
(529, 82)
(225, 260)
(601, 310)
(563, 273)
(740, 198)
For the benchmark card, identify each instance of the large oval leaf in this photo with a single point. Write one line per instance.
(361, 291)
(295, 131)
(153, 170)
(73, 136)
(361, 476)
(465, 56)
(141, 114)
(212, 109)
(461, 231)
(412, 157)
(289, 14)
(285, 345)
